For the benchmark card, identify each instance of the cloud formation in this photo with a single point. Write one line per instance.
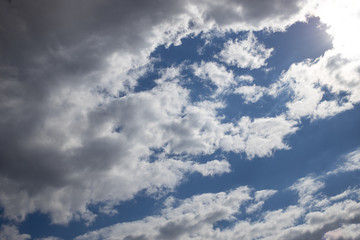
(316, 216)
(8, 232)
(76, 132)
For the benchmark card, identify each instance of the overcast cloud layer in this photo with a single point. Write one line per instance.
(76, 132)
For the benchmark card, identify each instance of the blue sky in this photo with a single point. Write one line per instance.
(179, 120)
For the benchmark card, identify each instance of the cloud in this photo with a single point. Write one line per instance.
(212, 168)
(71, 140)
(101, 157)
(310, 81)
(316, 216)
(217, 74)
(351, 163)
(251, 94)
(306, 187)
(197, 217)
(259, 136)
(50, 238)
(247, 53)
(102, 149)
(180, 219)
(8, 232)
(350, 231)
(254, 15)
(259, 200)
(334, 74)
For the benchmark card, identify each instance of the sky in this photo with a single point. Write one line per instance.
(156, 119)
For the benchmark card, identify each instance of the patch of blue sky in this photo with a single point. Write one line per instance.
(336, 184)
(38, 225)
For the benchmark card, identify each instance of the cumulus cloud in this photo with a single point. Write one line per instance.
(309, 82)
(196, 218)
(247, 53)
(181, 218)
(316, 216)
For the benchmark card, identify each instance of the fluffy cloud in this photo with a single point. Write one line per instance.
(217, 74)
(258, 137)
(247, 53)
(181, 218)
(196, 218)
(251, 93)
(310, 81)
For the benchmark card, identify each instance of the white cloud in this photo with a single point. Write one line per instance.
(252, 93)
(306, 187)
(212, 168)
(259, 200)
(217, 74)
(317, 216)
(245, 78)
(309, 80)
(181, 219)
(258, 137)
(196, 218)
(336, 72)
(351, 162)
(247, 53)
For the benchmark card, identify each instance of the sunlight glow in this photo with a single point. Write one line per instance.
(343, 19)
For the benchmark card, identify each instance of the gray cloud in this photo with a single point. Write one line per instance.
(8, 232)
